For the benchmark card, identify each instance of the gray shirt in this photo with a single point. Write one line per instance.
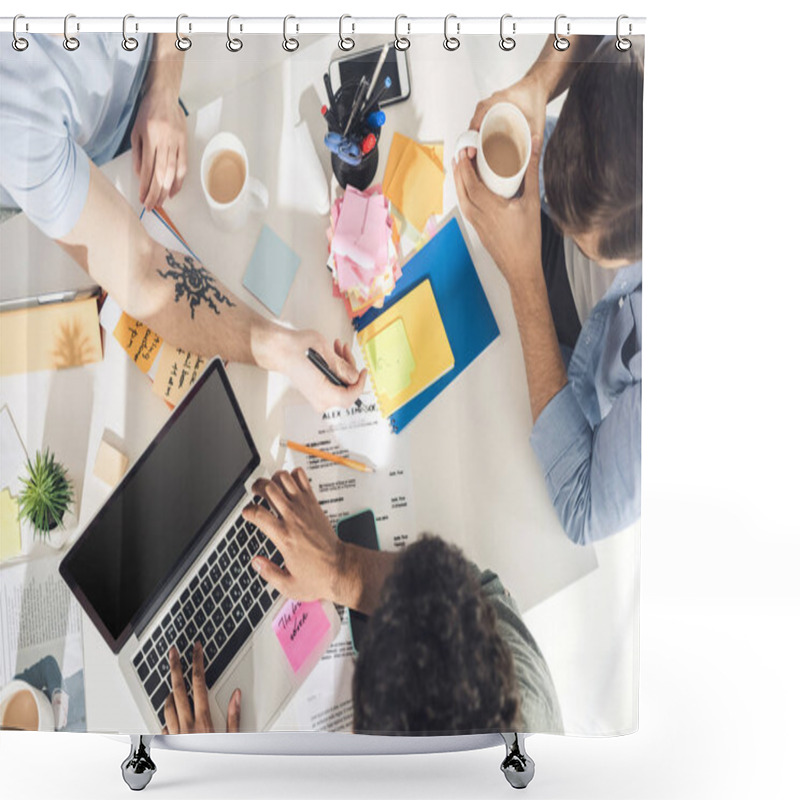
(539, 709)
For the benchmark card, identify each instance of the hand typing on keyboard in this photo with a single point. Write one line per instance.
(178, 712)
(317, 564)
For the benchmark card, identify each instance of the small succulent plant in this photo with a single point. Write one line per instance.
(46, 495)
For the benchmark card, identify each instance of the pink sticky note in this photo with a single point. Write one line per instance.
(300, 627)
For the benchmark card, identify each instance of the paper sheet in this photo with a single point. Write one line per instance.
(55, 336)
(325, 702)
(176, 371)
(40, 625)
(13, 457)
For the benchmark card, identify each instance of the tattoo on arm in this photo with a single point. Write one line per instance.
(194, 282)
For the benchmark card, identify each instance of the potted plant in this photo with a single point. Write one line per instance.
(47, 496)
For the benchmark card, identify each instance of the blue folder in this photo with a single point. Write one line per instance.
(465, 311)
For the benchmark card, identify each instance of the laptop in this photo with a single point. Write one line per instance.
(166, 561)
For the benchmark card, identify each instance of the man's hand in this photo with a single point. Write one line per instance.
(313, 554)
(509, 229)
(318, 390)
(527, 94)
(158, 141)
(178, 712)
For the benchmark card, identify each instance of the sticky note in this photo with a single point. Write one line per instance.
(54, 336)
(300, 627)
(10, 540)
(138, 341)
(271, 270)
(177, 370)
(110, 464)
(414, 179)
(390, 358)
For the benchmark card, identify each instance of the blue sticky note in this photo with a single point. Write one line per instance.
(271, 270)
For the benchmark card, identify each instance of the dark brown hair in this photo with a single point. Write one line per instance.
(593, 161)
(432, 661)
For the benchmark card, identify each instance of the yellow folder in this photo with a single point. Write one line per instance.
(406, 349)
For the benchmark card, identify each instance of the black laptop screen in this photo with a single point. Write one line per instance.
(163, 504)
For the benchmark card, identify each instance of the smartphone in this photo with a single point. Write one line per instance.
(352, 66)
(359, 529)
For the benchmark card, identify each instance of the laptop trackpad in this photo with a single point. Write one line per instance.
(262, 677)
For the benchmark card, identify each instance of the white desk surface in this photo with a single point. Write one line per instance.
(475, 433)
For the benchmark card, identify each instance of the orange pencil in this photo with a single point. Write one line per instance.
(311, 451)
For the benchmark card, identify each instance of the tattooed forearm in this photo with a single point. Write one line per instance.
(194, 282)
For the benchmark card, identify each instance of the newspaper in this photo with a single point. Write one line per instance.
(41, 640)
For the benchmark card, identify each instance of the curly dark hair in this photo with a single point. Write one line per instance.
(432, 661)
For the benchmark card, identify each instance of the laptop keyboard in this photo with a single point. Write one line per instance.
(223, 603)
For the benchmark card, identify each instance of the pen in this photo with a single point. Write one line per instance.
(357, 100)
(378, 96)
(333, 123)
(322, 365)
(312, 451)
(378, 67)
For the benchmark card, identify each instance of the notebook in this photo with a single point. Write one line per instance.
(406, 349)
(465, 312)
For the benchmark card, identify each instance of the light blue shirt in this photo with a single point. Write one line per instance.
(588, 439)
(58, 110)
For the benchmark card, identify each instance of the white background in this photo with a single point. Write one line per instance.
(720, 610)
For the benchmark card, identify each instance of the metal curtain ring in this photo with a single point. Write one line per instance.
(233, 44)
(560, 43)
(70, 43)
(401, 42)
(128, 42)
(346, 42)
(183, 43)
(623, 44)
(451, 42)
(19, 43)
(290, 44)
(507, 42)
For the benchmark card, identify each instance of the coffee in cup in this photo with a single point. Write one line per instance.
(231, 192)
(503, 146)
(24, 708)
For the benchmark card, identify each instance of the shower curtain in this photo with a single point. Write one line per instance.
(411, 273)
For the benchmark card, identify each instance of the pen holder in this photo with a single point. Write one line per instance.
(359, 176)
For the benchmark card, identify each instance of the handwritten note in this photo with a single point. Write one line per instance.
(300, 627)
(138, 341)
(177, 371)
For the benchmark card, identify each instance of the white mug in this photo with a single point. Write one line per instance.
(504, 119)
(11, 695)
(252, 195)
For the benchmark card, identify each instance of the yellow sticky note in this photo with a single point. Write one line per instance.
(53, 336)
(10, 540)
(138, 341)
(110, 464)
(414, 179)
(177, 371)
(391, 360)
(428, 355)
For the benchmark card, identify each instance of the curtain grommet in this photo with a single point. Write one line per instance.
(507, 43)
(183, 43)
(289, 44)
(560, 43)
(71, 43)
(451, 43)
(234, 44)
(19, 43)
(622, 44)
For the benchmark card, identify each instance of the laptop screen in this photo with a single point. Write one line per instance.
(162, 508)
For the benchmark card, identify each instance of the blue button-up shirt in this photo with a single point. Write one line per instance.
(588, 439)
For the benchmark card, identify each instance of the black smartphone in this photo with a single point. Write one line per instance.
(358, 529)
(349, 69)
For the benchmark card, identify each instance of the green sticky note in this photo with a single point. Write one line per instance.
(391, 361)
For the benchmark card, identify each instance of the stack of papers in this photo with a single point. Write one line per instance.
(414, 180)
(363, 242)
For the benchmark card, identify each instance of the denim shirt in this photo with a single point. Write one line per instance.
(588, 438)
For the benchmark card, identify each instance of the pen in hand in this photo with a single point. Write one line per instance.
(322, 365)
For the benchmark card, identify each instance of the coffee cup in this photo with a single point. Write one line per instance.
(24, 708)
(503, 145)
(231, 192)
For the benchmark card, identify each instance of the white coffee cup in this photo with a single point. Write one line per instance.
(231, 192)
(24, 708)
(506, 125)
